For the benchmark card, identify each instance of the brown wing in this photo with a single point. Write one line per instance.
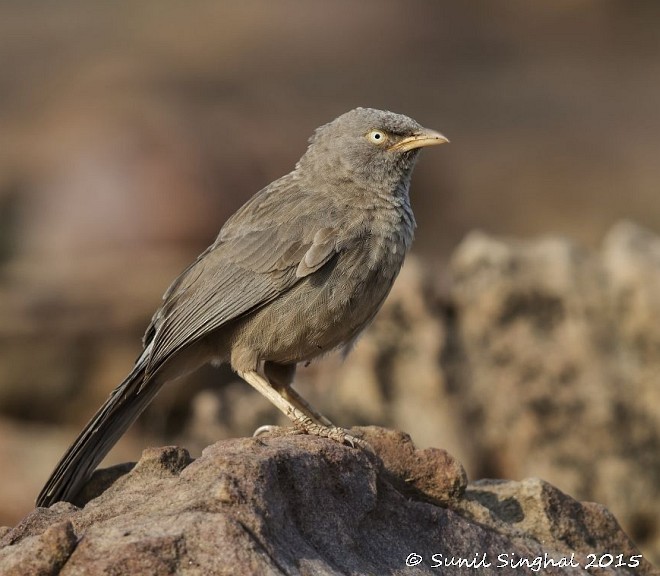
(255, 259)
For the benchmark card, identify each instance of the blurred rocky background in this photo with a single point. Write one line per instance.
(130, 131)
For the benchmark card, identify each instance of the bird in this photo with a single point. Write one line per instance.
(298, 271)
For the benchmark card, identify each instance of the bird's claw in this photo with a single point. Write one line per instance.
(265, 429)
(308, 426)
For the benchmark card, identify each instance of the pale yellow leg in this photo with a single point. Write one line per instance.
(280, 377)
(299, 402)
(296, 414)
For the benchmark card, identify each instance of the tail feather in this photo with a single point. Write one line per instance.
(119, 411)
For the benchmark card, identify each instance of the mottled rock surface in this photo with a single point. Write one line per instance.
(293, 504)
(554, 362)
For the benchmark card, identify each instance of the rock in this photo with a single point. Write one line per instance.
(430, 474)
(555, 358)
(42, 554)
(295, 504)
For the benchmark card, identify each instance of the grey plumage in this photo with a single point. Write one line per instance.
(298, 271)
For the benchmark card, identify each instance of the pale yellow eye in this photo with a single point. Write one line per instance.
(377, 137)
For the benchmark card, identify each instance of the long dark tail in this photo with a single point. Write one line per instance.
(120, 410)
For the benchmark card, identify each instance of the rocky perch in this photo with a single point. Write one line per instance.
(293, 504)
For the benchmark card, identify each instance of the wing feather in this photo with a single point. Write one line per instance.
(322, 249)
(254, 260)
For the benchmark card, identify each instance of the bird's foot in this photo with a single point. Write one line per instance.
(308, 426)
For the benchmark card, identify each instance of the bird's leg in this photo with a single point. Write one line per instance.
(280, 377)
(298, 417)
(297, 400)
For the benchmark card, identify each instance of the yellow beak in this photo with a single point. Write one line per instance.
(423, 138)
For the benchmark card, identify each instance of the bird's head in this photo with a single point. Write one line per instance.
(367, 146)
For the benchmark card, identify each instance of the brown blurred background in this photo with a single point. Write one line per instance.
(130, 131)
